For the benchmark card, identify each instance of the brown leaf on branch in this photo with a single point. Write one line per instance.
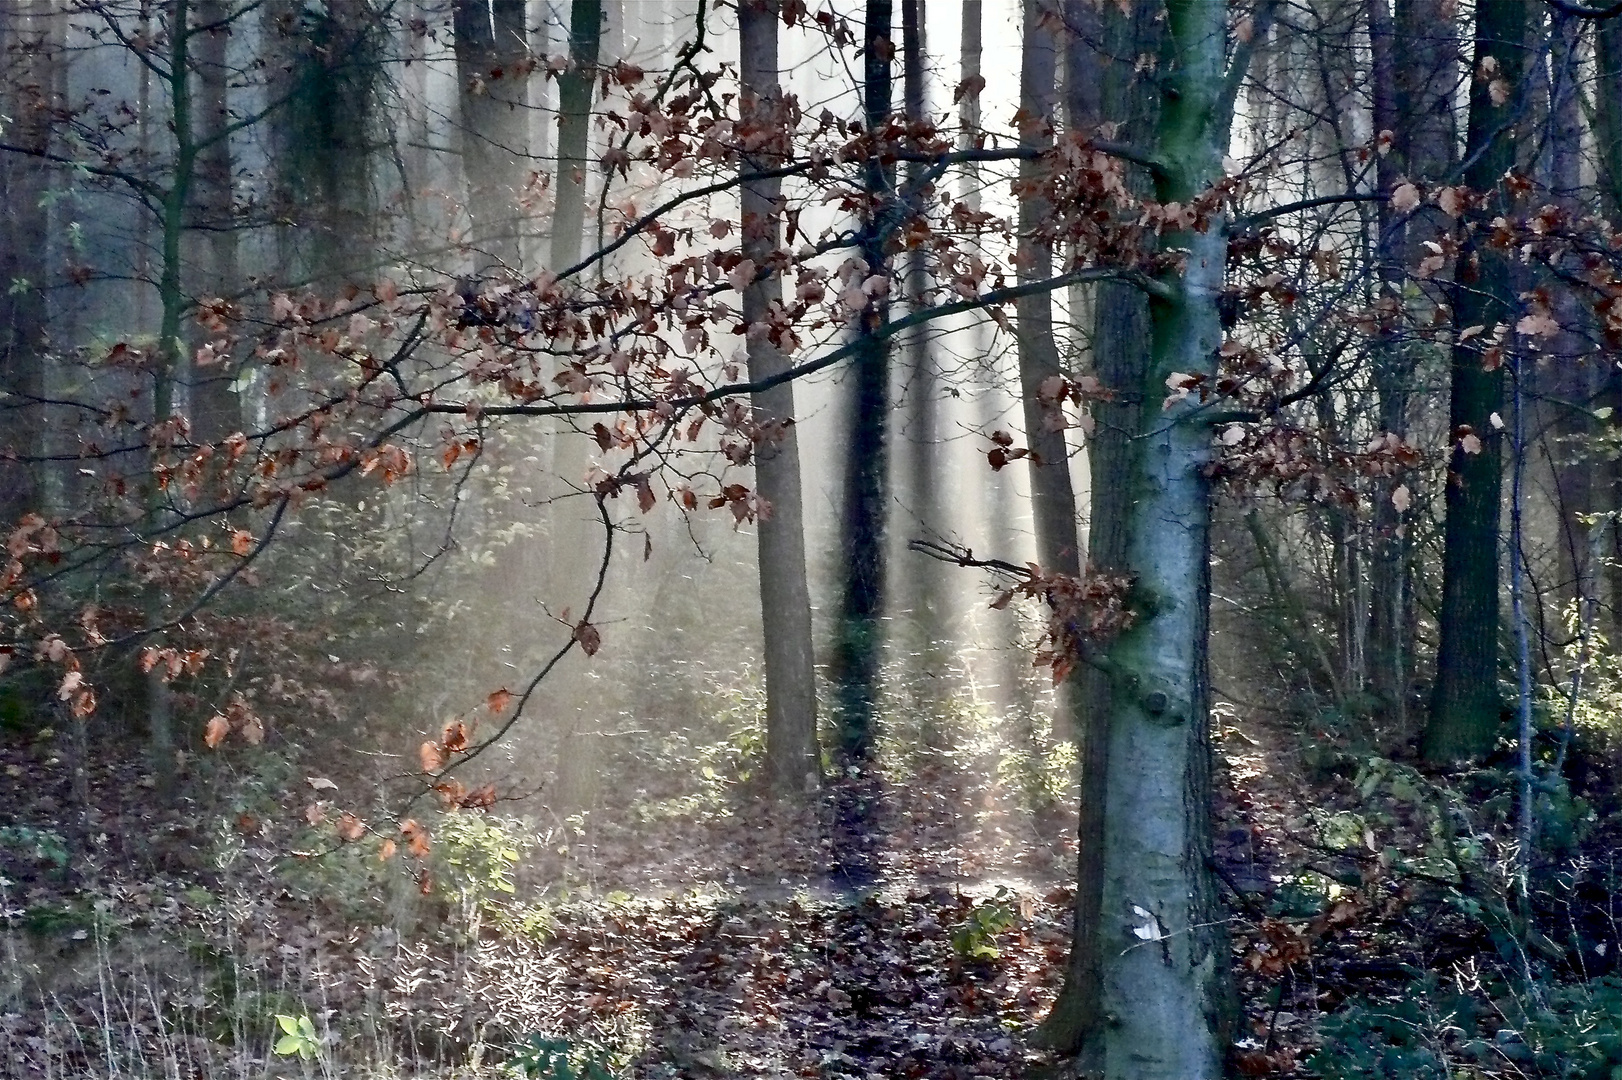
(215, 731)
(589, 637)
(351, 828)
(416, 837)
(969, 88)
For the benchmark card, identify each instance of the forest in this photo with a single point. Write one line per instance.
(965, 539)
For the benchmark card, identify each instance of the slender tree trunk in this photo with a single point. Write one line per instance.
(169, 355)
(1393, 379)
(574, 131)
(923, 415)
(1574, 375)
(1053, 501)
(576, 550)
(1103, 85)
(1165, 954)
(29, 100)
(794, 762)
(1465, 707)
(1608, 143)
(857, 648)
(491, 41)
(215, 410)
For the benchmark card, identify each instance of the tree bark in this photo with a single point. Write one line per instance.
(215, 411)
(29, 99)
(1101, 77)
(794, 762)
(491, 40)
(1165, 954)
(1053, 500)
(576, 550)
(922, 392)
(1465, 704)
(855, 669)
(1608, 143)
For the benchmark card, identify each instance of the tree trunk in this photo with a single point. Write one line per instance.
(795, 764)
(1101, 77)
(29, 100)
(1053, 501)
(576, 550)
(922, 392)
(215, 410)
(1465, 704)
(1574, 375)
(857, 648)
(323, 143)
(1165, 954)
(1608, 143)
(574, 131)
(490, 41)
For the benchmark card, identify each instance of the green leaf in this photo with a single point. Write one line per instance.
(288, 1024)
(288, 1045)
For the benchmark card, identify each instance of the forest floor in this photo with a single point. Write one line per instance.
(912, 922)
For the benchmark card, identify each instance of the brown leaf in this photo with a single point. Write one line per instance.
(589, 637)
(416, 837)
(215, 731)
(352, 828)
(430, 757)
(969, 88)
(498, 701)
(252, 731)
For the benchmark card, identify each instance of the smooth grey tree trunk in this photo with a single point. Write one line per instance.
(1165, 956)
(492, 96)
(1103, 85)
(1607, 96)
(215, 411)
(573, 533)
(1053, 500)
(926, 597)
(795, 764)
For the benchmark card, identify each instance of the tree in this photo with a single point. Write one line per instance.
(1465, 704)
(1103, 86)
(794, 760)
(31, 53)
(923, 384)
(1165, 956)
(492, 67)
(855, 665)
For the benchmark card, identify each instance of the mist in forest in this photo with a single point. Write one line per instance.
(929, 538)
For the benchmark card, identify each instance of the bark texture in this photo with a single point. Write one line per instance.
(785, 598)
(491, 41)
(1103, 85)
(857, 648)
(1465, 704)
(1165, 955)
